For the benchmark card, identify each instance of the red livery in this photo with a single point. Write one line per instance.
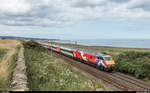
(58, 49)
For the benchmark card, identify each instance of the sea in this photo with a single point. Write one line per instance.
(125, 43)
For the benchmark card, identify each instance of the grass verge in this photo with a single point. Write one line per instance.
(7, 65)
(2, 53)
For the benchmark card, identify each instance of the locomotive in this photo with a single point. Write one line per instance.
(98, 60)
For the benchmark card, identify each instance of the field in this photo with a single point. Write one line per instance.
(132, 61)
(48, 73)
(8, 56)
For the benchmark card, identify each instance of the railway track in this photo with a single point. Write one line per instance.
(143, 85)
(120, 81)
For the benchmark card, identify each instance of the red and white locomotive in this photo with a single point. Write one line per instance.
(101, 61)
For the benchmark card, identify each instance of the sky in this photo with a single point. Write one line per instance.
(75, 19)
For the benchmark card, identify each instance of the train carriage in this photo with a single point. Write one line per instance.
(66, 51)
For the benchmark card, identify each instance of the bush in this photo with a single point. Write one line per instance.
(135, 63)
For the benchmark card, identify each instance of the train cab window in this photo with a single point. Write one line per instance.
(90, 57)
(108, 58)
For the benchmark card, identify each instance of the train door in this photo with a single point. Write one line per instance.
(87, 56)
(58, 49)
(92, 59)
(74, 53)
(78, 55)
(42, 44)
(83, 56)
(48, 46)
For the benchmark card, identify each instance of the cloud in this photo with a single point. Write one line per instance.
(120, 1)
(13, 7)
(140, 4)
(87, 3)
(26, 13)
(49, 13)
(132, 10)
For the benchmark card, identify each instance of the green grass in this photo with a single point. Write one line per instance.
(133, 61)
(5, 82)
(49, 73)
(2, 53)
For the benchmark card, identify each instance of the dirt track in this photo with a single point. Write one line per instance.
(19, 76)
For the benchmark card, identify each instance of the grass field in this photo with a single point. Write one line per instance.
(2, 53)
(132, 61)
(8, 57)
(46, 72)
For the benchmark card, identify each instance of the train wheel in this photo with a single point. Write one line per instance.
(106, 69)
(97, 66)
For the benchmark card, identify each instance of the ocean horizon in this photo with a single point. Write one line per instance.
(126, 43)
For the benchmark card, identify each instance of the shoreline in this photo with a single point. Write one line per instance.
(104, 46)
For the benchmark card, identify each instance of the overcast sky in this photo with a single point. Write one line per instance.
(75, 19)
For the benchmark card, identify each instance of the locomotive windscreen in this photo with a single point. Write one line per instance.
(107, 58)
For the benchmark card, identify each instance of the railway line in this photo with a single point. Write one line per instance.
(133, 81)
(120, 81)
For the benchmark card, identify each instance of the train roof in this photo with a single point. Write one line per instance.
(97, 54)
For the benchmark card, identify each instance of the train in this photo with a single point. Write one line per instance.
(101, 61)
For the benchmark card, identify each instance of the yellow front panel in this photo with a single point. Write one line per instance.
(110, 62)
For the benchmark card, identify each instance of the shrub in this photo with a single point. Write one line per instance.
(135, 63)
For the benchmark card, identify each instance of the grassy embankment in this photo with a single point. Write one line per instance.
(46, 72)
(132, 61)
(8, 56)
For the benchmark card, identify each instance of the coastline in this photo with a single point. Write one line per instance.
(119, 43)
(102, 46)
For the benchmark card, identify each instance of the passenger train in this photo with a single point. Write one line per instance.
(99, 60)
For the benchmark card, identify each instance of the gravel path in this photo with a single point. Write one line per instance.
(19, 82)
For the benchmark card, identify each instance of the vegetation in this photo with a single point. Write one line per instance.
(8, 56)
(133, 61)
(2, 53)
(46, 72)
(8, 43)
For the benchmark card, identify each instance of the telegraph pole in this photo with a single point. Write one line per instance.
(75, 42)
